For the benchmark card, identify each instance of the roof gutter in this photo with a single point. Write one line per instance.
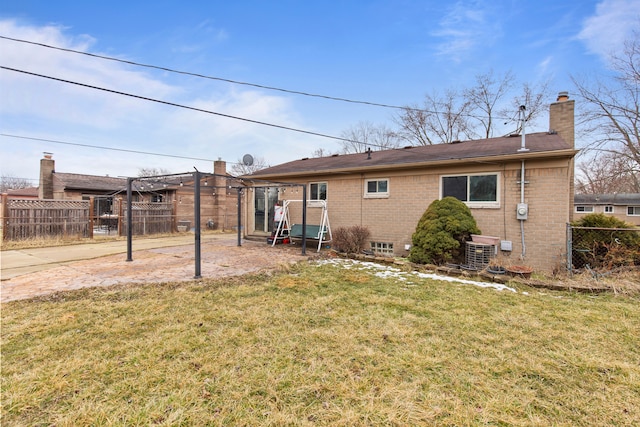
(568, 153)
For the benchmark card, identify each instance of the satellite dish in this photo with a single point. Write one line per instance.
(247, 160)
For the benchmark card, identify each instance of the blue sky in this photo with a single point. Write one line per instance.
(386, 51)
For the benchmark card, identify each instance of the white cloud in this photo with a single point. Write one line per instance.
(465, 26)
(614, 20)
(543, 65)
(36, 107)
(64, 102)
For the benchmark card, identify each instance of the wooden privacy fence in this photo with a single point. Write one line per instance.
(148, 218)
(32, 219)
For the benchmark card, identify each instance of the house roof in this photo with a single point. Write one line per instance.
(622, 199)
(23, 192)
(539, 145)
(74, 181)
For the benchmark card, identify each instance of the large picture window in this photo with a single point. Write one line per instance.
(318, 191)
(475, 190)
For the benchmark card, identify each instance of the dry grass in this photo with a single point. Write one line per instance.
(320, 346)
(8, 245)
(619, 281)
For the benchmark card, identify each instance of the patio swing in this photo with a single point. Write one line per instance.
(287, 230)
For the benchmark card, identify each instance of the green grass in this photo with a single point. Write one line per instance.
(320, 345)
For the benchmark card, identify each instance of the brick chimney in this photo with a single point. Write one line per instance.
(220, 167)
(47, 169)
(561, 118)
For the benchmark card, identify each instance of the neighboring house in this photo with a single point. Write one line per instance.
(218, 199)
(23, 193)
(218, 202)
(625, 207)
(104, 190)
(388, 191)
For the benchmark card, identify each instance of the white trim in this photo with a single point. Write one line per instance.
(326, 185)
(605, 207)
(636, 210)
(376, 195)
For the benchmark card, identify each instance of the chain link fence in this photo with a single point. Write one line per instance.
(602, 249)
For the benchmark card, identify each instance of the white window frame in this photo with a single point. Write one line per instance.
(326, 190)
(471, 204)
(376, 194)
(585, 209)
(608, 209)
(634, 209)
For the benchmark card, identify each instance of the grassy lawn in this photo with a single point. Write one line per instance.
(321, 345)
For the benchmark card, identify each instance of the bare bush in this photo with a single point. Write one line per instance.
(351, 239)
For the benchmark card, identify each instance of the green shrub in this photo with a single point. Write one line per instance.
(442, 231)
(351, 239)
(600, 246)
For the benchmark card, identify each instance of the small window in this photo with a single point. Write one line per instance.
(382, 248)
(156, 198)
(608, 209)
(633, 210)
(584, 209)
(318, 191)
(474, 190)
(376, 188)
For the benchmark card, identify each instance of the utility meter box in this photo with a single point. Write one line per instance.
(522, 211)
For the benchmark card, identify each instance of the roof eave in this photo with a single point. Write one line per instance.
(565, 153)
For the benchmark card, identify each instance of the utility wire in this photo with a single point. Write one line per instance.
(138, 64)
(104, 148)
(204, 76)
(173, 104)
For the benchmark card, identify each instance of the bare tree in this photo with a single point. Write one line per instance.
(536, 100)
(442, 119)
(240, 168)
(485, 97)
(8, 182)
(321, 152)
(359, 138)
(142, 172)
(475, 112)
(611, 108)
(607, 173)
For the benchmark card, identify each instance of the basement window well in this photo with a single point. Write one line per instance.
(382, 248)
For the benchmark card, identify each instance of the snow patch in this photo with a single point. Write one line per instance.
(389, 272)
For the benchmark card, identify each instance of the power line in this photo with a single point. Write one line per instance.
(104, 148)
(138, 64)
(204, 76)
(173, 104)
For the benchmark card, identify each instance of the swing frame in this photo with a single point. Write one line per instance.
(304, 231)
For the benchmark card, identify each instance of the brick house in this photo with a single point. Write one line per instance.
(388, 191)
(217, 202)
(625, 207)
